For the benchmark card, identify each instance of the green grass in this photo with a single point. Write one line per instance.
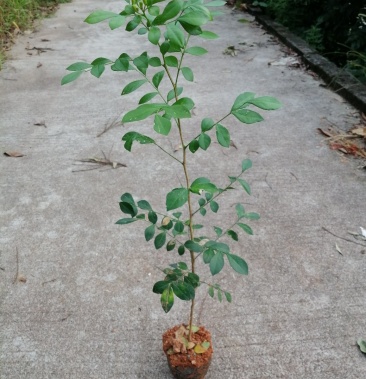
(19, 14)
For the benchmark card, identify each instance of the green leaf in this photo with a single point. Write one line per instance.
(145, 205)
(70, 77)
(219, 295)
(240, 210)
(154, 35)
(176, 35)
(179, 227)
(242, 100)
(193, 279)
(207, 255)
(204, 141)
(133, 24)
(247, 116)
(202, 184)
(218, 246)
(131, 137)
(171, 61)
(154, 10)
(201, 202)
(233, 235)
(246, 164)
(188, 74)
(186, 102)
(116, 22)
(193, 246)
(152, 216)
(203, 211)
(121, 64)
(164, 47)
(128, 198)
(141, 112)
(128, 10)
(207, 124)
(170, 245)
(155, 62)
(97, 70)
(183, 290)
(79, 66)
(208, 35)
(157, 78)
(160, 240)
(196, 50)
(215, 3)
(252, 216)
(238, 264)
(149, 232)
(147, 97)
(142, 63)
(362, 344)
(228, 296)
(245, 185)
(246, 228)
(100, 61)
(160, 286)
(211, 291)
(177, 214)
(142, 31)
(167, 299)
(267, 103)
(191, 29)
(171, 94)
(193, 146)
(133, 86)
(124, 221)
(181, 250)
(170, 11)
(194, 18)
(216, 263)
(99, 16)
(218, 231)
(197, 226)
(222, 135)
(162, 125)
(208, 196)
(177, 111)
(176, 198)
(128, 208)
(214, 206)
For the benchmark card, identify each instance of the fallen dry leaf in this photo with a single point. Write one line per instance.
(13, 154)
(338, 249)
(286, 61)
(359, 131)
(324, 132)
(22, 279)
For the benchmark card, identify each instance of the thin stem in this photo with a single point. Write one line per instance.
(166, 152)
(181, 58)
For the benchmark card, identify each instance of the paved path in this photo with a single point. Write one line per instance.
(83, 307)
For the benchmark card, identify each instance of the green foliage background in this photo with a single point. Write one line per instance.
(334, 27)
(21, 13)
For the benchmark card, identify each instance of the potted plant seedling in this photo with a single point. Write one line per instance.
(169, 28)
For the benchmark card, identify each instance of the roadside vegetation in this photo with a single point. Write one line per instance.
(336, 28)
(18, 15)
